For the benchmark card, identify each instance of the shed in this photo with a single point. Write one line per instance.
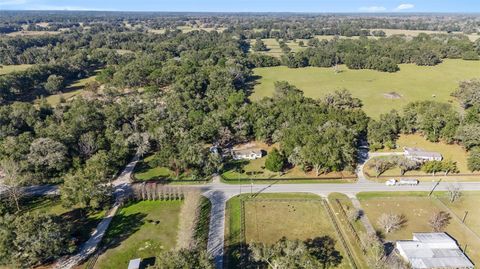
(134, 264)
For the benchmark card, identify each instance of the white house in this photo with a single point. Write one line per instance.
(433, 251)
(247, 154)
(421, 155)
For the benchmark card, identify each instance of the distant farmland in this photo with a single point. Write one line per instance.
(380, 92)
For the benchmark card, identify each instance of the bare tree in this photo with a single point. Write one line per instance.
(380, 165)
(439, 221)
(391, 222)
(13, 181)
(354, 214)
(454, 192)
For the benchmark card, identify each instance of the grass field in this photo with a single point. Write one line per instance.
(413, 33)
(5, 69)
(140, 230)
(411, 82)
(72, 90)
(468, 202)
(269, 217)
(417, 208)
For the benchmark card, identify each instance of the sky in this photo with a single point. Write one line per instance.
(367, 6)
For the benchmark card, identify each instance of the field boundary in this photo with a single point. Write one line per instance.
(439, 175)
(339, 233)
(288, 179)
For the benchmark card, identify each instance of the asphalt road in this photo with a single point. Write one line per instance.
(219, 193)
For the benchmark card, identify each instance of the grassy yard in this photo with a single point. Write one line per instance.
(140, 230)
(255, 169)
(269, 217)
(412, 82)
(146, 170)
(452, 152)
(417, 208)
(5, 69)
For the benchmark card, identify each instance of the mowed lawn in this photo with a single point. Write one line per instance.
(412, 82)
(417, 208)
(269, 217)
(5, 69)
(140, 230)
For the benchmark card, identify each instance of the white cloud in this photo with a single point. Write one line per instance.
(372, 9)
(12, 2)
(404, 7)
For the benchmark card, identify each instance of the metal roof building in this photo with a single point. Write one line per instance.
(433, 250)
(422, 155)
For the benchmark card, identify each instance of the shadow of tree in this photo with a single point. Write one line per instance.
(122, 227)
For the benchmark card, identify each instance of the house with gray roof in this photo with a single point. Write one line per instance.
(247, 154)
(421, 155)
(433, 251)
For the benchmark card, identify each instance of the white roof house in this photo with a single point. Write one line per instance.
(432, 251)
(247, 154)
(422, 155)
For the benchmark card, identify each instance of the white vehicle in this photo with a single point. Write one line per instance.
(391, 182)
(411, 182)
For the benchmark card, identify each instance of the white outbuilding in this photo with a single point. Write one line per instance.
(433, 251)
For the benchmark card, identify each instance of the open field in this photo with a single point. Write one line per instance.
(412, 82)
(272, 45)
(413, 33)
(140, 230)
(5, 69)
(72, 90)
(417, 208)
(269, 217)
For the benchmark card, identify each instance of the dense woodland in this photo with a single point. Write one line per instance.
(174, 94)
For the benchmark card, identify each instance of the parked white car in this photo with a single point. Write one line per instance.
(391, 182)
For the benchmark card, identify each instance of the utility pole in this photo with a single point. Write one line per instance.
(434, 187)
(465, 216)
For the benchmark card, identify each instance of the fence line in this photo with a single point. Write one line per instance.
(350, 226)
(339, 233)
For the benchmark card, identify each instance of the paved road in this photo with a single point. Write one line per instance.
(219, 193)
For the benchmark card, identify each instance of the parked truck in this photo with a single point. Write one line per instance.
(401, 182)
